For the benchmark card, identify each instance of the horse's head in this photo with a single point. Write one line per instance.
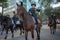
(20, 9)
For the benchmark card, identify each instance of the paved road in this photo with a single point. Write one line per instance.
(45, 35)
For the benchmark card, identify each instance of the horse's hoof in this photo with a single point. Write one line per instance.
(53, 33)
(12, 36)
(23, 32)
(32, 38)
(1, 33)
(5, 38)
(20, 33)
(37, 38)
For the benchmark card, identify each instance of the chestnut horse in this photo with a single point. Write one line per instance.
(28, 23)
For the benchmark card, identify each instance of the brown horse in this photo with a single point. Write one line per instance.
(52, 25)
(28, 22)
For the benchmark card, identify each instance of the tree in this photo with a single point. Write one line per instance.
(57, 12)
(47, 8)
(58, 0)
(4, 4)
(48, 11)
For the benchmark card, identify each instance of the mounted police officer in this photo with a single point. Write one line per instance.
(32, 12)
(52, 22)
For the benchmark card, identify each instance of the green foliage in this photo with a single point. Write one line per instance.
(0, 14)
(4, 3)
(48, 1)
(48, 11)
(57, 12)
(58, 0)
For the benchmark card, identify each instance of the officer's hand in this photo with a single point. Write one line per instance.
(30, 13)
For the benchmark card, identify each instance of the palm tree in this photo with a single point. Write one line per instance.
(4, 4)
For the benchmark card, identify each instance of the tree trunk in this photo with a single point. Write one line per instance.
(2, 9)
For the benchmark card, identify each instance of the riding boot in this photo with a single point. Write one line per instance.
(36, 24)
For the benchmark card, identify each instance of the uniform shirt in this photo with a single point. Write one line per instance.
(32, 11)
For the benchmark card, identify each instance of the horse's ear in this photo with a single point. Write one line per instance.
(21, 3)
(17, 4)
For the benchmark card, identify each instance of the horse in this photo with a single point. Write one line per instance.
(28, 23)
(7, 24)
(52, 25)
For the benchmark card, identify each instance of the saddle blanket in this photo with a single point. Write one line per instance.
(18, 22)
(37, 20)
(34, 20)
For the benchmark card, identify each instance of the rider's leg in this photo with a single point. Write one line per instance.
(36, 20)
(54, 29)
(6, 33)
(12, 30)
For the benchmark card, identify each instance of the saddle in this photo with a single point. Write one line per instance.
(36, 26)
(37, 20)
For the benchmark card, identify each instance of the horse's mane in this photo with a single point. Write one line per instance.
(23, 9)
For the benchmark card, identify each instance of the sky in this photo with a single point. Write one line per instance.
(56, 5)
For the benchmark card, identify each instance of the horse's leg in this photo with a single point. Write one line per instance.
(50, 29)
(15, 28)
(32, 32)
(6, 33)
(12, 30)
(2, 30)
(26, 34)
(38, 33)
(20, 30)
(54, 29)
